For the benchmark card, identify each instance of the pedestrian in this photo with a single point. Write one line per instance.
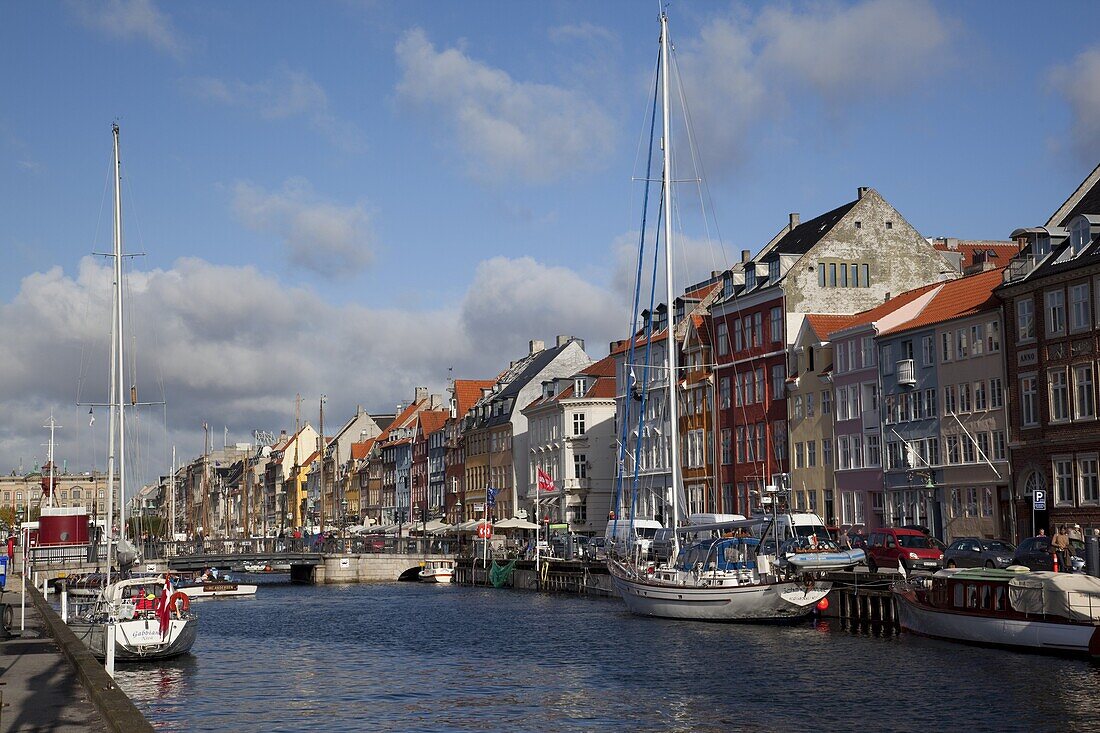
(1059, 544)
(1042, 533)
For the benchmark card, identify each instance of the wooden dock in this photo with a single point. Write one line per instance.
(863, 601)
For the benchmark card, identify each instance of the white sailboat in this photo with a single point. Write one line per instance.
(719, 579)
(127, 610)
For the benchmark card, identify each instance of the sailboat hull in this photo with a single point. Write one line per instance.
(139, 639)
(761, 602)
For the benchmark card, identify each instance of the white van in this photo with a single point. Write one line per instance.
(624, 536)
(789, 525)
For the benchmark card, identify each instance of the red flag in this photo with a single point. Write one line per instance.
(164, 613)
(545, 482)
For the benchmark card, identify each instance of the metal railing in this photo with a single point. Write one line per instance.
(273, 547)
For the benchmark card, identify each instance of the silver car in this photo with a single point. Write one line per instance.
(977, 552)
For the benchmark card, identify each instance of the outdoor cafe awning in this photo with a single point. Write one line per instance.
(515, 523)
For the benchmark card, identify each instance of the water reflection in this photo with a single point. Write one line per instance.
(411, 657)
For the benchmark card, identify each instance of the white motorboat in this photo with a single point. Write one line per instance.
(217, 588)
(146, 626)
(1053, 613)
(437, 571)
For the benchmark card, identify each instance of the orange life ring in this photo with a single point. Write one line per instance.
(179, 596)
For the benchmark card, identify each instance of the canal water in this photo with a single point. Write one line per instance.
(414, 657)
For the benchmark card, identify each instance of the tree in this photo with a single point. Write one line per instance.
(7, 516)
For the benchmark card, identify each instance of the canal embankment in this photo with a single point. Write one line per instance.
(49, 679)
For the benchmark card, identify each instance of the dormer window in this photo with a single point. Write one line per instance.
(579, 387)
(1042, 245)
(773, 271)
(750, 276)
(727, 286)
(1079, 234)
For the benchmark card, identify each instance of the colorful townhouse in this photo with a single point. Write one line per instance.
(464, 394)
(571, 438)
(1051, 296)
(426, 500)
(496, 428)
(843, 261)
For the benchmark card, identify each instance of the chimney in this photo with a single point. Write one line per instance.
(563, 340)
(420, 393)
(887, 296)
(282, 433)
(746, 255)
(795, 219)
(860, 191)
(952, 243)
(435, 402)
(535, 346)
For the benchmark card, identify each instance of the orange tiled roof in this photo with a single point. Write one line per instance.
(604, 389)
(824, 324)
(873, 314)
(1002, 252)
(700, 293)
(639, 340)
(957, 298)
(468, 391)
(402, 420)
(432, 421)
(605, 367)
(361, 450)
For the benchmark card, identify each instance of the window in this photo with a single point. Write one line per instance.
(927, 350)
(810, 404)
(841, 403)
(867, 351)
(980, 400)
(811, 454)
(759, 374)
(993, 337)
(1079, 308)
(999, 452)
(727, 446)
(887, 360)
(779, 378)
(799, 455)
(1029, 414)
(826, 402)
(969, 454)
(1079, 235)
(1056, 312)
(832, 274)
(949, 403)
(739, 446)
(580, 466)
(724, 392)
(777, 324)
(961, 344)
(1063, 481)
(866, 275)
(952, 442)
(798, 407)
(821, 274)
(855, 275)
(983, 446)
(750, 443)
(1084, 402)
(841, 359)
(964, 397)
(1025, 319)
(977, 339)
(843, 453)
(738, 389)
(996, 393)
(722, 334)
(930, 402)
(737, 344)
(826, 453)
(1088, 486)
(1058, 389)
(773, 270)
(947, 352)
(874, 451)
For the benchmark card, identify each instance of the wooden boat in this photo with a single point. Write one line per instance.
(1054, 613)
(437, 571)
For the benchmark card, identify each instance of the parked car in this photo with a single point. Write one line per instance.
(1034, 553)
(661, 548)
(976, 552)
(912, 549)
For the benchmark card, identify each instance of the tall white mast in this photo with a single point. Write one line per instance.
(671, 357)
(172, 501)
(121, 381)
(114, 391)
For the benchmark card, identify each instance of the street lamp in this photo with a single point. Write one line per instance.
(343, 517)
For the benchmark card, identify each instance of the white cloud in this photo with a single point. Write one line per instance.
(1079, 83)
(693, 260)
(744, 70)
(328, 238)
(505, 128)
(231, 346)
(132, 19)
(859, 50)
(286, 94)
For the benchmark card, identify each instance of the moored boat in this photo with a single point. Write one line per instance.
(437, 571)
(1054, 613)
(814, 553)
(217, 589)
(145, 628)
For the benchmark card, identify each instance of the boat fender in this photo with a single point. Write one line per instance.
(182, 598)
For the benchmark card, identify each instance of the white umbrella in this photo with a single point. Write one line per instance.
(516, 523)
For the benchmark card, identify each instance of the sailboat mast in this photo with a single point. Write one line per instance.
(671, 357)
(120, 383)
(172, 501)
(115, 404)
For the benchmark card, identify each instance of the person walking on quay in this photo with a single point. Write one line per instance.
(1059, 544)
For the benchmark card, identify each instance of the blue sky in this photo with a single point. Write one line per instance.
(380, 191)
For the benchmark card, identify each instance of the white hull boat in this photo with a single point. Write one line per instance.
(218, 589)
(1034, 611)
(437, 571)
(138, 639)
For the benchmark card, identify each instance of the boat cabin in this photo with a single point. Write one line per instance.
(727, 555)
(1073, 597)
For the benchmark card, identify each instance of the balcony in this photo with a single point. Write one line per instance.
(907, 373)
(1020, 267)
